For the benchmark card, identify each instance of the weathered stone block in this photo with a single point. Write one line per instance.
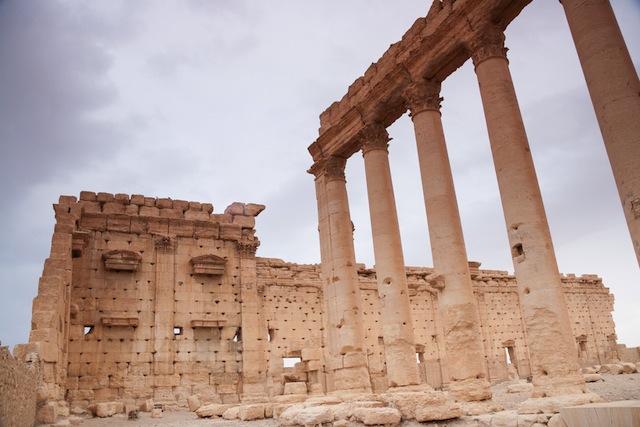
(251, 412)
(377, 416)
(295, 388)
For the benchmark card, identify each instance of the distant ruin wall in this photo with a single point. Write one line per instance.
(162, 299)
(18, 382)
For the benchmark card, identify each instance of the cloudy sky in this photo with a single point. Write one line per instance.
(217, 101)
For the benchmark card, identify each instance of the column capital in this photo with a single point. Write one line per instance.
(422, 96)
(374, 137)
(488, 44)
(331, 167)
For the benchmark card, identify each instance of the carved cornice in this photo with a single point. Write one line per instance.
(422, 96)
(122, 260)
(374, 137)
(489, 44)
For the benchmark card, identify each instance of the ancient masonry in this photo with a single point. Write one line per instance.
(145, 298)
(165, 299)
(408, 77)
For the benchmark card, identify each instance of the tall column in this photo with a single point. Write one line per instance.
(395, 309)
(253, 333)
(458, 306)
(546, 318)
(341, 290)
(615, 93)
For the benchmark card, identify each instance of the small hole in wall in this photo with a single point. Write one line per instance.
(88, 329)
(177, 330)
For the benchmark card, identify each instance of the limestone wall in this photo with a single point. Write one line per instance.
(146, 298)
(18, 382)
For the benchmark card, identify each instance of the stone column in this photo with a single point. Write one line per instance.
(163, 333)
(615, 93)
(253, 333)
(395, 309)
(341, 290)
(546, 318)
(458, 306)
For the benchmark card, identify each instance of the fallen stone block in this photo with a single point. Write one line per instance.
(552, 405)
(592, 378)
(213, 410)
(194, 403)
(231, 413)
(106, 409)
(251, 412)
(629, 368)
(306, 416)
(425, 406)
(374, 416)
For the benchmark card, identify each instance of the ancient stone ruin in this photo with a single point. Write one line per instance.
(144, 298)
(150, 301)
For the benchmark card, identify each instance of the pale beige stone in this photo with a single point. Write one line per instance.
(552, 405)
(377, 416)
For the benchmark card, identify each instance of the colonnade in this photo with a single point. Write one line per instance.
(614, 88)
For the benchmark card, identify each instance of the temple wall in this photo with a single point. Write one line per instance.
(159, 299)
(18, 383)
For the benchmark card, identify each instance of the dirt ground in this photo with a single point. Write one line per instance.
(613, 388)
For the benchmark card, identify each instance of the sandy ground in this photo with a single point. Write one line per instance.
(614, 387)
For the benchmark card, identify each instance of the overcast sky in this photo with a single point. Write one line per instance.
(217, 101)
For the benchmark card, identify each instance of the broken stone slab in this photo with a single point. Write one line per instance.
(232, 413)
(213, 410)
(629, 368)
(312, 416)
(106, 409)
(552, 405)
(194, 403)
(425, 406)
(252, 412)
(592, 378)
(377, 416)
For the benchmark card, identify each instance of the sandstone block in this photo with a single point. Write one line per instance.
(194, 403)
(311, 354)
(552, 405)
(506, 419)
(556, 421)
(592, 378)
(214, 410)
(251, 412)
(231, 413)
(295, 388)
(253, 209)
(382, 416)
(424, 406)
(313, 416)
(629, 368)
(106, 409)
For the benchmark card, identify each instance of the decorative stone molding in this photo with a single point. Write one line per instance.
(208, 323)
(164, 243)
(211, 265)
(120, 321)
(489, 44)
(374, 137)
(248, 248)
(122, 260)
(331, 167)
(421, 96)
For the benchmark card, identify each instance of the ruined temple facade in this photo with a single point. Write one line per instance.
(144, 298)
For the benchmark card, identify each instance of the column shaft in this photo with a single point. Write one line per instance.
(395, 308)
(614, 88)
(458, 306)
(551, 342)
(341, 289)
